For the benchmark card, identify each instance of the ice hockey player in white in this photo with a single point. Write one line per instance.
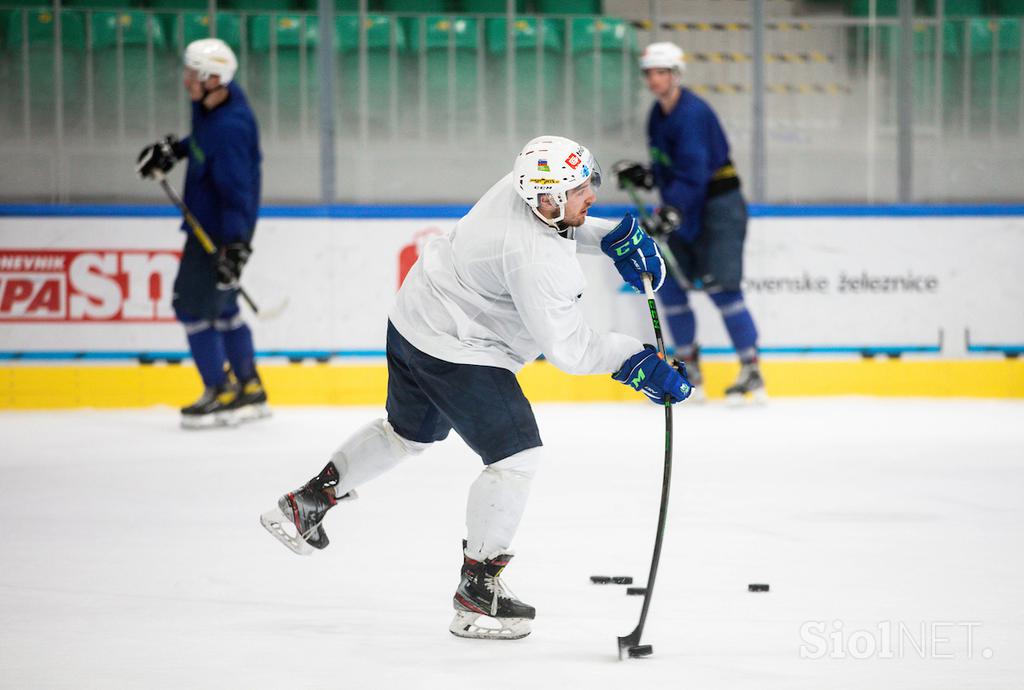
(499, 290)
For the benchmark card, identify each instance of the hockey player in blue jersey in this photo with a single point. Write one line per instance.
(703, 219)
(222, 189)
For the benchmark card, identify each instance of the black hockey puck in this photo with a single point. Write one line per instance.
(757, 588)
(636, 591)
(622, 579)
(600, 579)
(640, 650)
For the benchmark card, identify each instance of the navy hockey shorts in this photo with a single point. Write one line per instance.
(196, 296)
(715, 259)
(428, 397)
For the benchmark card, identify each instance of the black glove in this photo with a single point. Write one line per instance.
(664, 221)
(159, 156)
(634, 173)
(230, 260)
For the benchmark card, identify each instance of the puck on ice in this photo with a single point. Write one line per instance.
(613, 579)
(640, 650)
(636, 591)
(622, 579)
(757, 588)
(600, 579)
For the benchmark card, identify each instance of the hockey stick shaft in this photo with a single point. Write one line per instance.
(633, 638)
(197, 230)
(666, 252)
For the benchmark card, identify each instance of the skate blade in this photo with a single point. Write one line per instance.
(274, 521)
(217, 420)
(758, 397)
(477, 626)
(252, 413)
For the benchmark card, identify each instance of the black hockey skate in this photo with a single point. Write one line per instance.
(693, 373)
(748, 383)
(303, 510)
(482, 594)
(251, 402)
(214, 408)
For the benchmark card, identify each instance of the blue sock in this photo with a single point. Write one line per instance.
(238, 344)
(738, 322)
(677, 311)
(207, 348)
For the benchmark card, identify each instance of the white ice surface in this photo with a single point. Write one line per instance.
(132, 556)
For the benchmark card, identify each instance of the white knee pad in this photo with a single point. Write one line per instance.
(496, 503)
(370, 452)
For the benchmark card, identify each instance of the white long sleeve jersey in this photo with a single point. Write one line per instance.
(501, 288)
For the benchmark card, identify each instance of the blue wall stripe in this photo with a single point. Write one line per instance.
(116, 355)
(427, 211)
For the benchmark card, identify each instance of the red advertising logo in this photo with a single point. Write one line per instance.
(411, 252)
(86, 285)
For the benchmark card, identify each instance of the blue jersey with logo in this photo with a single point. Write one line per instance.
(687, 147)
(222, 185)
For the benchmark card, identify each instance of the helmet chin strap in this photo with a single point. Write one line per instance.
(556, 224)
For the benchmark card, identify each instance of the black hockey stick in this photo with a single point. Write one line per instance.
(207, 243)
(666, 252)
(630, 644)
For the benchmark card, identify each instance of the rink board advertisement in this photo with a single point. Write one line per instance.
(815, 284)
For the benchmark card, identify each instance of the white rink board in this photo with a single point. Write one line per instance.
(810, 282)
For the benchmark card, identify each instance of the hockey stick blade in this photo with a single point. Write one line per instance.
(272, 312)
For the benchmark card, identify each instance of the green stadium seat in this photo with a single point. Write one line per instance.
(955, 8)
(177, 5)
(883, 8)
(605, 73)
(1012, 8)
(339, 5)
(381, 68)
(184, 27)
(135, 27)
(415, 6)
(378, 32)
(258, 5)
(42, 94)
(995, 68)
(489, 6)
(289, 68)
(447, 101)
(40, 28)
(96, 4)
(568, 6)
(539, 69)
(283, 30)
(122, 69)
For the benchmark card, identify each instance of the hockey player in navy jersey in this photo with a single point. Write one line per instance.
(703, 219)
(500, 289)
(222, 189)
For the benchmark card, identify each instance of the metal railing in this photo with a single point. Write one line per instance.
(79, 105)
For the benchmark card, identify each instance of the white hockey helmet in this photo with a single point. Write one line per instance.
(211, 56)
(553, 165)
(663, 55)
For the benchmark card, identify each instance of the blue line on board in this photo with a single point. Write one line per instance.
(116, 355)
(425, 212)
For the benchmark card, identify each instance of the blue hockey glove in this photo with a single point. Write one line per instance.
(648, 373)
(634, 252)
